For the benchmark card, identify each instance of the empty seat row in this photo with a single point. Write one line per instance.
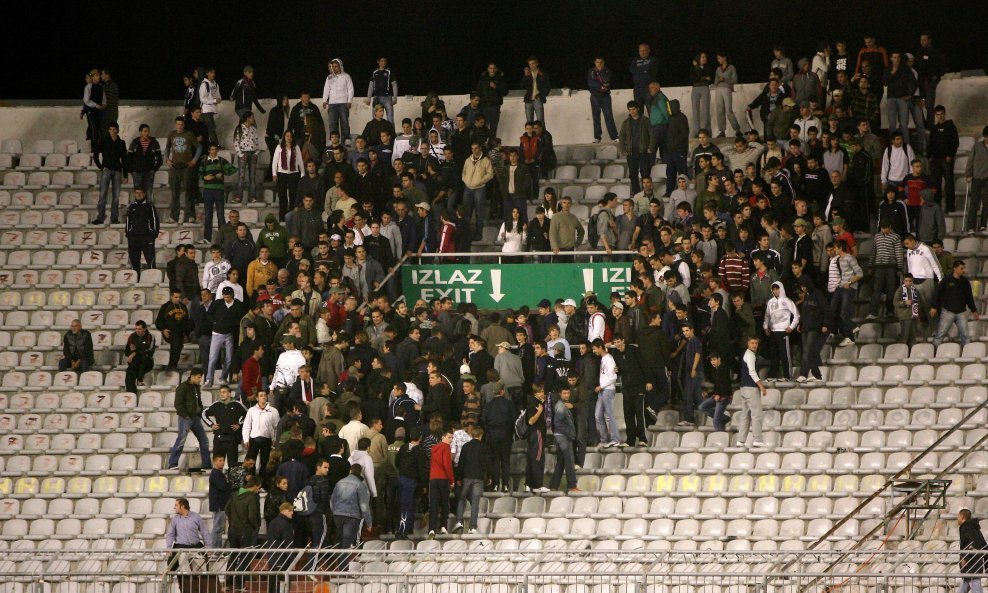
(28, 486)
(19, 380)
(13, 301)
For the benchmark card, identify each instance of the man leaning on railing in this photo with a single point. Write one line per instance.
(971, 539)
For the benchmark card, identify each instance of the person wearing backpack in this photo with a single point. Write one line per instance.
(597, 328)
(312, 503)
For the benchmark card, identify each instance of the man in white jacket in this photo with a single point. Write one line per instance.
(781, 318)
(895, 161)
(209, 95)
(337, 96)
(607, 426)
(260, 431)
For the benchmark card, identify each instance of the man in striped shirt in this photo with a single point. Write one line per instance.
(734, 270)
(886, 267)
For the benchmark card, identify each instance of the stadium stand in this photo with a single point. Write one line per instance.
(84, 463)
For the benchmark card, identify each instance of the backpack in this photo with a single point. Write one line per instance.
(461, 327)
(593, 237)
(304, 502)
(521, 426)
(608, 332)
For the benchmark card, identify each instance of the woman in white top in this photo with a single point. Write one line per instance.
(286, 169)
(550, 202)
(512, 235)
(245, 145)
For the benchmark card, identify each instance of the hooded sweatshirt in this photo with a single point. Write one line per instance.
(678, 134)
(780, 311)
(931, 224)
(338, 88)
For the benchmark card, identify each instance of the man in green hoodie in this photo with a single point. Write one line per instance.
(243, 512)
(274, 236)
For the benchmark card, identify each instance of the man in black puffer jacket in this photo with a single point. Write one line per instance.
(144, 159)
(142, 230)
(971, 539)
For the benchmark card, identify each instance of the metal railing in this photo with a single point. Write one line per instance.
(569, 256)
(482, 568)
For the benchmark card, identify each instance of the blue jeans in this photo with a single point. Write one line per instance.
(948, 318)
(216, 343)
(475, 200)
(247, 164)
(675, 166)
(564, 460)
(970, 585)
(472, 490)
(897, 112)
(108, 179)
(691, 395)
(535, 110)
(843, 305)
(602, 104)
(604, 414)
(219, 528)
(388, 102)
(212, 198)
(339, 120)
(146, 181)
(185, 425)
(715, 409)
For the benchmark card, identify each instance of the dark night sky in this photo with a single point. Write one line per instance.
(444, 45)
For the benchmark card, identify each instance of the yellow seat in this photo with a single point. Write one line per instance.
(53, 486)
(132, 484)
(79, 485)
(689, 483)
(26, 485)
(715, 483)
(821, 483)
(202, 484)
(157, 484)
(105, 485)
(767, 483)
(846, 483)
(794, 483)
(664, 483)
(638, 483)
(182, 484)
(6, 486)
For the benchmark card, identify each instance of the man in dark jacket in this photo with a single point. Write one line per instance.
(225, 315)
(952, 300)
(188, 406)
(241, 251)
(244, 94)
(321, 493)
(815, 320)
(599, 83)
(971, 538)
(227, 417)
(77, 349)
(111, 160)
(498, 418)
(139, 353)
(472, 470)
(636, 144)
(677, 146)
(142, 230)
(175, 324)
(644, 68)
(943, 148)
(492, 90)
(632, 369)
(183, 274)
(277, 124)
(219, 495)
(281, 534)
(413, 476)
(144, 159)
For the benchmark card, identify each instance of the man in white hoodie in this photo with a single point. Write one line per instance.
(781, 318)
(895, 161)
(209, 95)
(337, 96)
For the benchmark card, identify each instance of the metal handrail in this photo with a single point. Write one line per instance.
(524, 253)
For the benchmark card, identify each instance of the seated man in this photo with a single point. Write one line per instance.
(77, 349)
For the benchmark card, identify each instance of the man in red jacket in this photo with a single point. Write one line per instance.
(440, 481)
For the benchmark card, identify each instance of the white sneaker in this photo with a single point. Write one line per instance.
(473, 532)
(739, 444)
(541, 490)
(458, 527)
(871, 316)
(577, 467)
(846, 342)
(443, 531)
(759, 444)
(801, 379)
(432, 534)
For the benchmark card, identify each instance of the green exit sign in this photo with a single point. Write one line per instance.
(502, 286)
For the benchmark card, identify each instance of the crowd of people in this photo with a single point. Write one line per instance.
(355, 413)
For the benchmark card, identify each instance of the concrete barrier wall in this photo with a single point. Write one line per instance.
(567, 115)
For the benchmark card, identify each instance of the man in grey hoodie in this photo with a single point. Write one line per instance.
(337, 97)
(976, 174)
(725, 77)
(931, 224)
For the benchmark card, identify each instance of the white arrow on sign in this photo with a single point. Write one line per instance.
(497, 295)
(588, 280)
